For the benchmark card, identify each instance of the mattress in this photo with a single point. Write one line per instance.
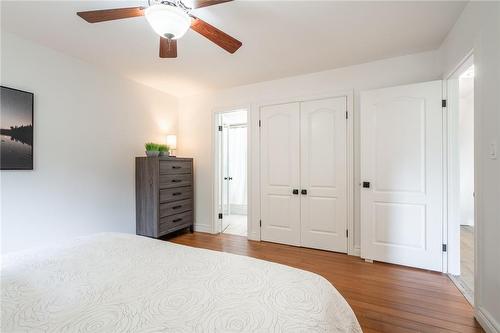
(126, 283)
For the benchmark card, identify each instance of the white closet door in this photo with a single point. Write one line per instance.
(324, 174)
(280, 139)
(401, 157)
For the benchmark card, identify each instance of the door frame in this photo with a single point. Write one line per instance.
(216, 225)
(451, 227)
(256, 194)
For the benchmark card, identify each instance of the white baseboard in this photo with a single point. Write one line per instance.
(203, 228)
(355, 252)
(253, 236)
(486, 320)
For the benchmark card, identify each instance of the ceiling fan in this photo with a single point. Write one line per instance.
(170, 19)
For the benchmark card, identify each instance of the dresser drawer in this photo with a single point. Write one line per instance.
(176, 207)
(175, 167)
(174, 194)
(175, 222)
(177, 180)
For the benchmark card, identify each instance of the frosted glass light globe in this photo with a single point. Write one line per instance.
(168, 21)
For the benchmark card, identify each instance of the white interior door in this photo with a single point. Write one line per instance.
(226, 210)
(324, 174)
(401, 158)
(280, 149)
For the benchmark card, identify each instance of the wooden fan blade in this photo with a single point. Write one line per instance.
(206, 3)
(95, 16)
(168, 48)
(217, 36)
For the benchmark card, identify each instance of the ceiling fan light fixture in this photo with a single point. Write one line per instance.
(168, 21)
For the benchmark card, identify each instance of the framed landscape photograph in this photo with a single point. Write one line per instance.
(16, 129)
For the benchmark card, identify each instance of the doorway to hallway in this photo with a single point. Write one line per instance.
(233, 186)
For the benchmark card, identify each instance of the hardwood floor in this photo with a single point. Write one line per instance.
(467, 257)
(465, 281)
(385, 297)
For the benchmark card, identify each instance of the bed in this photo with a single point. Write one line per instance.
(125, 283)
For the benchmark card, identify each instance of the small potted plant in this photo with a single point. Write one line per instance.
(164, 149)
(152, 149)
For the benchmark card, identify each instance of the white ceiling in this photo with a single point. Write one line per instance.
(280, 38)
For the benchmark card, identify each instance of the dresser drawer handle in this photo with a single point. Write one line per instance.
(176, 194)
(176, 167)
(176, 180)
(177, 220)
(177, 207)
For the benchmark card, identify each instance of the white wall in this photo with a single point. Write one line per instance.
(88, 126)
(466, 150)
(195, 114)
(478, 28)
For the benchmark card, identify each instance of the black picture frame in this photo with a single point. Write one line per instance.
(24, 137)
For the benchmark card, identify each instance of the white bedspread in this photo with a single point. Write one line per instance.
(125, 283)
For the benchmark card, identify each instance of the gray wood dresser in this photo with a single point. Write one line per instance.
(163, 195)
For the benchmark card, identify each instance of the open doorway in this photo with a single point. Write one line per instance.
(232, 172)
(466, 172)
(462, 219)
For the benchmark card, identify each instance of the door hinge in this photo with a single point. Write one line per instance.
(347, 233)
(346, 115)
(220, 128)
(220, 216)
(260, 223)
(444, 247)
(260, 123)
(443, 103)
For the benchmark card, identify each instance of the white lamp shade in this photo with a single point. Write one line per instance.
(168, 21)
(172, 141)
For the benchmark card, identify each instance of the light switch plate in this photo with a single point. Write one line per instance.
(493, 150)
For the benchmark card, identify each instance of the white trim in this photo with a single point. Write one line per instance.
(253, 154)
(451, 232)
(486, 320)
(349, 95)
(215, 177)
(446, 181)
(203, 228)
(460, 67)
(351, 250)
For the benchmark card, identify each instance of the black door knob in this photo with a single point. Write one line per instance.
(366, 184)
(303, 192)
(295, 191)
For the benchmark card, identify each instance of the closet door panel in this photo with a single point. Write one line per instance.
(324, 174)
(280, 175)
